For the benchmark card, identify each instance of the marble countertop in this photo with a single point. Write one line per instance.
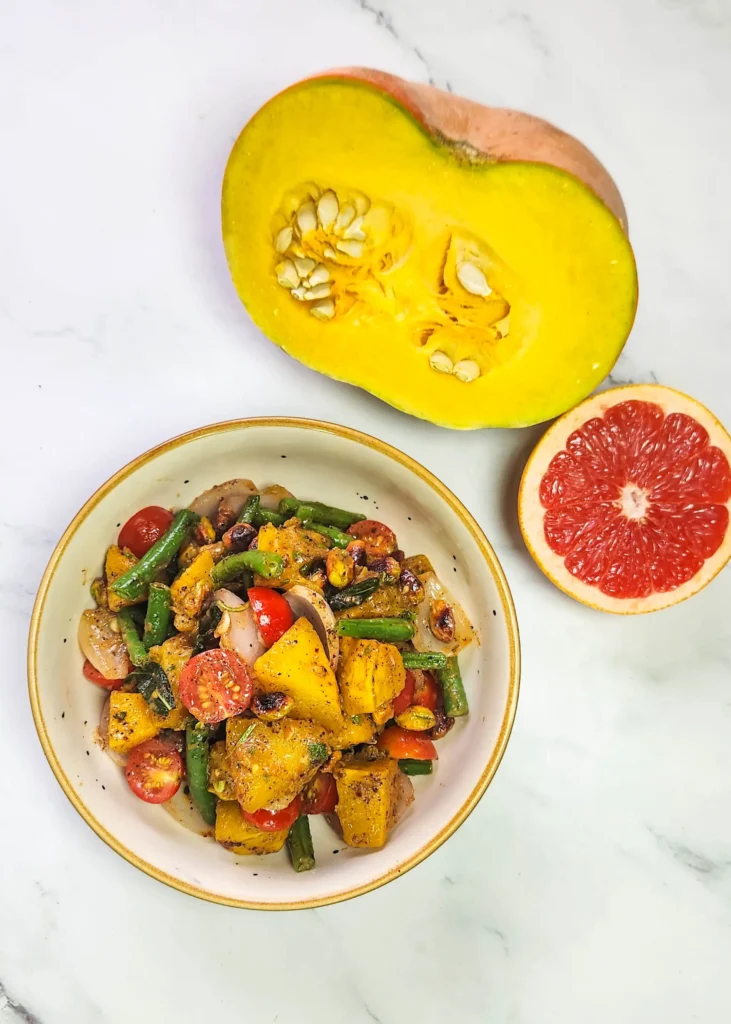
(593, 882)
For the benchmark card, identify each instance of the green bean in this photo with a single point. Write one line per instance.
(155, 687)
(327, 515)
(455, 698)
(339, 539)
(265, 515)
(265, 563)
(354, 595)
(132, 583)
(157, 619)
(386, 630)
(251, 507)
(299, 844)
(409, 766)
(135, 648)
(288, 507)
(423, 659)
(197, 736)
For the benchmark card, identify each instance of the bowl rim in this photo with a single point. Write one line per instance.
(496, 570)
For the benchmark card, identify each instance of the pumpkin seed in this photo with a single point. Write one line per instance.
(320, 291)
(319, 275)
(306, 218)
(355, 231)
(299, 293)
(345, 218)
(283, 239)
(351, 248)
(472, 279)
(440, 362)
(287, 275)
(327, 208)
(323, 310)
(304, 266)
(466, 370)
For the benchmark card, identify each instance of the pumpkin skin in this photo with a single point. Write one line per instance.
(488, 280)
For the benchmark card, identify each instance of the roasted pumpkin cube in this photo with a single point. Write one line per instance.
(219, 776)
(172, 657)
(116, 564)
(298, 666)
(372, 796)
(297, 548)
(370, 674)
(355, 730)
(131, 721)
(271, 762)
(237, 835)
(193, 586)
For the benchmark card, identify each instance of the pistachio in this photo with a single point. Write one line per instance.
(440, 362)
(416, 719)
(287, 274)
(472, 279)
(271, 706)
(327, 208)
(340, 568)
(466, 370)
(357, 551)
(306, 218)
(410, 585)
(284, 239)
(324, 310)
(239, 537)
(442, 724)
(441, 621)
(388, 567)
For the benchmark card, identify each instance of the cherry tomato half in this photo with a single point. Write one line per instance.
(145, 527)
(427, 692)
(405, 699)
(215, 685)
(320, 795)
(94, 676)
(272, 613)
(154, 771)
(275, 821)
(398, 743)
(379, 539)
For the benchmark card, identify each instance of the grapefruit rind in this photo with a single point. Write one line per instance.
(531, 511)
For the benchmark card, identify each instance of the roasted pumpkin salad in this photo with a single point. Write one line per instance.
(276, 658)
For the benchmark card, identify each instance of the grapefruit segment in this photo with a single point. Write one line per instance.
(624, 503)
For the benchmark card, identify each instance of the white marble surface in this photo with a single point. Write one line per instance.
(593, 883)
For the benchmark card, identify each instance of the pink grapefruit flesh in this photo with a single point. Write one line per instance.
(624, 503)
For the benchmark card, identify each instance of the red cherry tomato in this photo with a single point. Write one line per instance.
(275, 821)
(272, 613)
(94, 676)
(321, 795)
(215, 685)
(145, 527)
(379, 540)
(427, 692)
(405, 699)
(154, 771)
(398, 743)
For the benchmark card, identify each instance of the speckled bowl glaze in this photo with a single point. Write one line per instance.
(341, 467)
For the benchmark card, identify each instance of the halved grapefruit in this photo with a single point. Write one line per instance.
(624, 503)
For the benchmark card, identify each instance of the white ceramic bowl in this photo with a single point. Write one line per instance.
(338, 466)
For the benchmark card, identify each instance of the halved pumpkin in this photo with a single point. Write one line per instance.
(466, 264)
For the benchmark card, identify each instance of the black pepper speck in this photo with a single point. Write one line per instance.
(494, 612)
(63, 714)
(186, 481)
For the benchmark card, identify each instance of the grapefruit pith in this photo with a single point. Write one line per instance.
(625, 501)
